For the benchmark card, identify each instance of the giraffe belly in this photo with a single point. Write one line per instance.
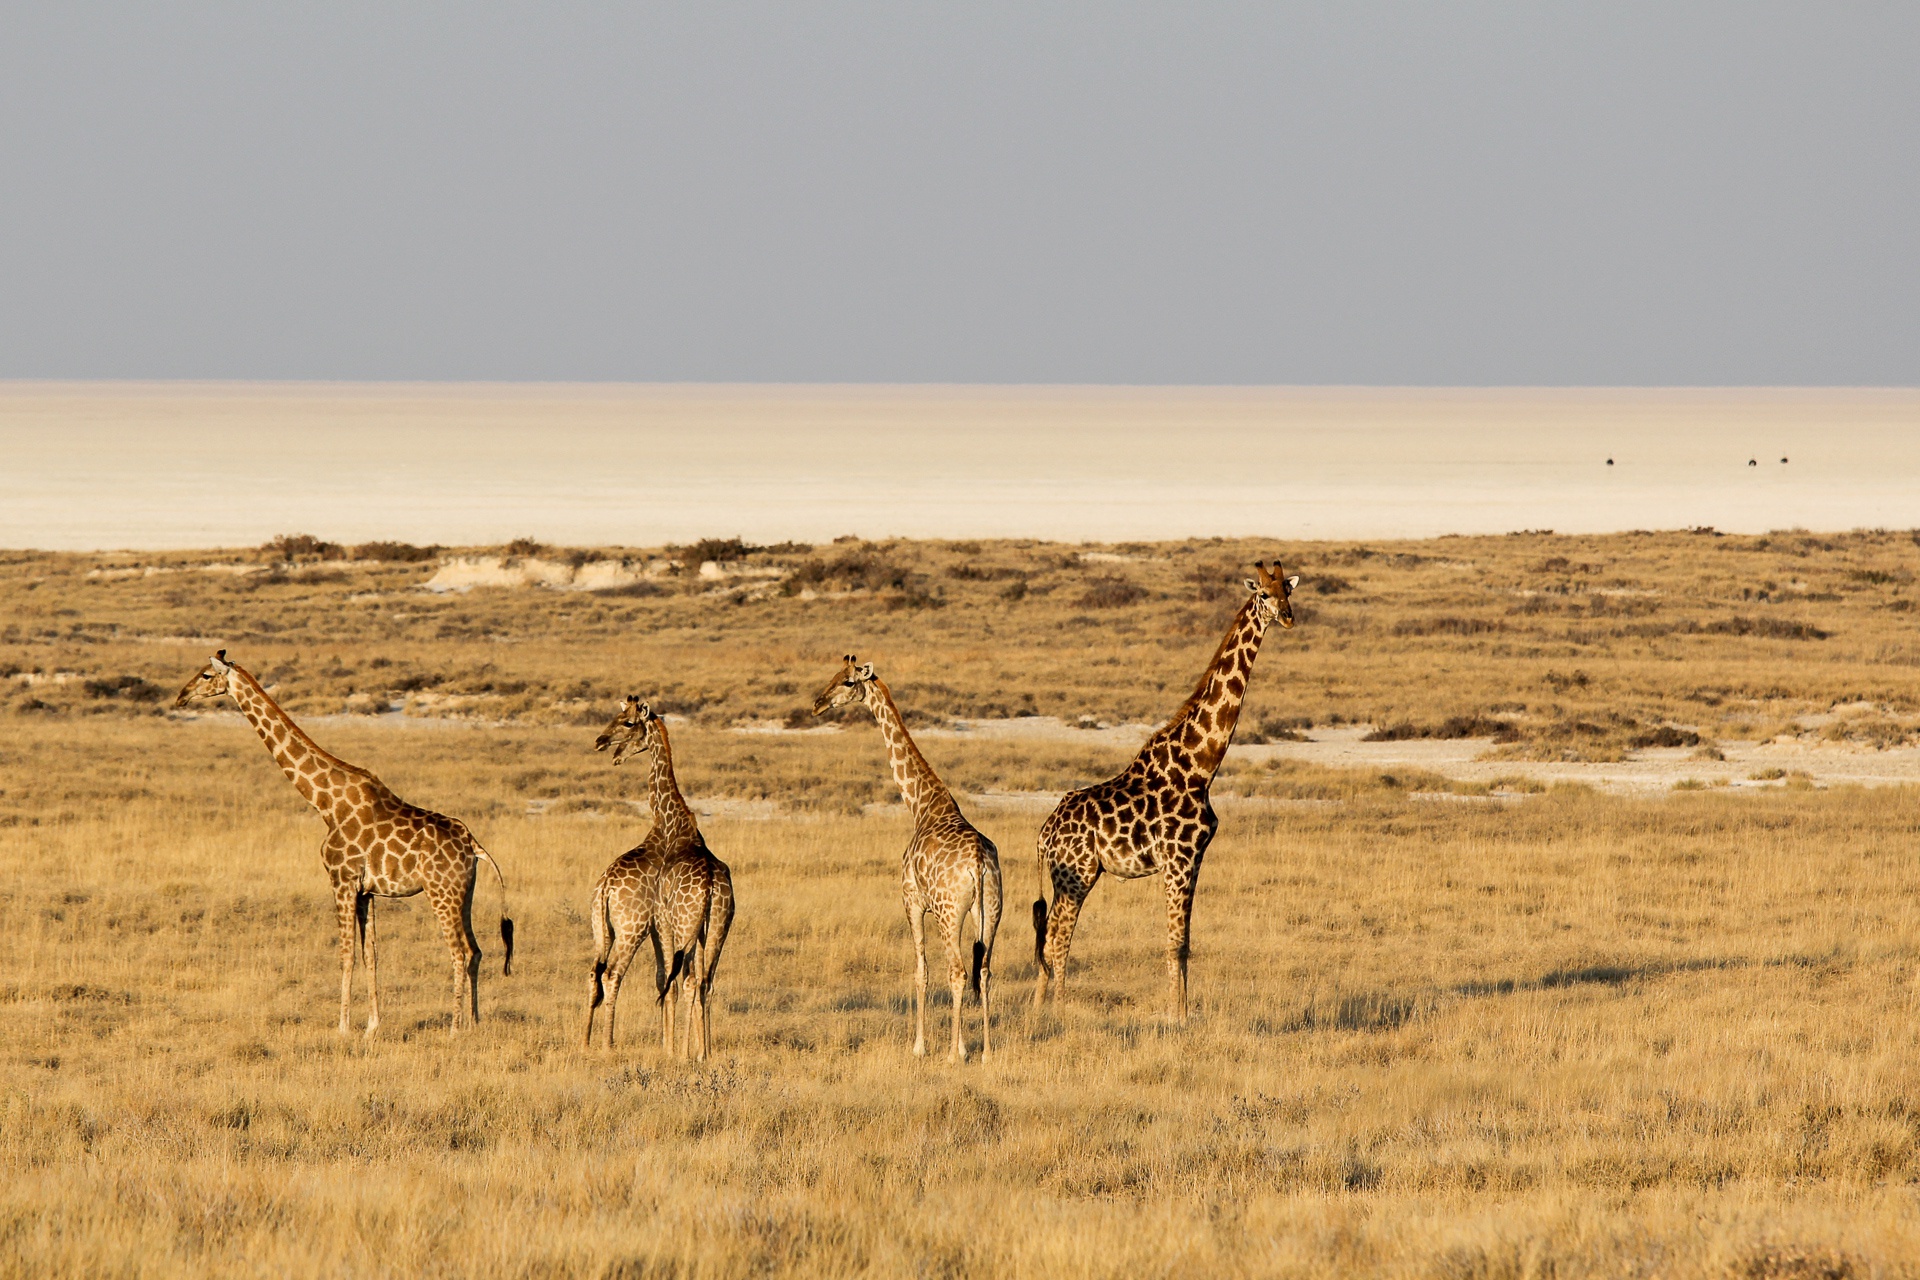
(1129, 860)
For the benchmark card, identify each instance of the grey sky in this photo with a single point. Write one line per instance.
(1262, 193)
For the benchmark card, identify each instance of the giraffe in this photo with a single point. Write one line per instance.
(949, 868)
(669, 888)
(1155, 816)
(377, 845)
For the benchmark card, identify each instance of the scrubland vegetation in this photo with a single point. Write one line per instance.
(1541, 1032)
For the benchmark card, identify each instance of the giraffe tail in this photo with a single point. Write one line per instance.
(506, 920)
(679, 963)
(602, 947)
(1040, 916)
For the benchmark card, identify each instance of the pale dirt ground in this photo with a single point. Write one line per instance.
(87, 466)
(1649, 771)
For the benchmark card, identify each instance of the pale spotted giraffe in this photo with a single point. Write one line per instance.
(949, 868)
(1155, 816)
(377, 845)
(670, 889)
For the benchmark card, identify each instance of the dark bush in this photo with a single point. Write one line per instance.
(526, 547)
(1448, 625)
(1453, 727)
(854, 571)
(717, 549)
(1767, 628)
(393, 552)
(1214, 581)
(988, 573)
(1111, 593)
(300, 546)
(1665, 735)
(129, 688)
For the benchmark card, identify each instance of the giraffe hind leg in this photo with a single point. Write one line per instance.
(371, 951)
(719, 921)
(990, 903)
(623, 954)
(464, 954)
(952, 926)
(916, 916)
(1068, 898)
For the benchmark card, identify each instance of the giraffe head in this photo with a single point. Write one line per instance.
(631, 732)
(1271, 593)
(851, 685)
(209, 684)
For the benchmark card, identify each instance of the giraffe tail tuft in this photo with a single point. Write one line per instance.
(599, 988)
(979, 958)
(506, 940)
(1040, 933)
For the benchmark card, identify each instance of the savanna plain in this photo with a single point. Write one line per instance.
(1443, 1025)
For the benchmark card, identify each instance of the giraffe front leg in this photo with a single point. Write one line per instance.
(1181, 877)
(371, 951)
(345, 899)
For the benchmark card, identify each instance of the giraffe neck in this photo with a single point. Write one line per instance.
(672, 818)
(315, 774)
(920, 786)
(1203, 728)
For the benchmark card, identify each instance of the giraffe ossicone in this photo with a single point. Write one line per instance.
(949, 869)
(1155, 816)
(377, 845)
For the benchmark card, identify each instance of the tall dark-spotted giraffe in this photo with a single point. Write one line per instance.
(1156, 815)
(377, 845)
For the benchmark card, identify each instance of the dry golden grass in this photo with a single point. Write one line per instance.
(1564, 1034)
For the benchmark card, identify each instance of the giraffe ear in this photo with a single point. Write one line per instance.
(866, 671)
(1250, 584)
(1292, 582)
(220, 659)
(646, 711)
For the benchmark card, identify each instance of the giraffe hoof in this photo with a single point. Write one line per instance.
(919, 1051)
